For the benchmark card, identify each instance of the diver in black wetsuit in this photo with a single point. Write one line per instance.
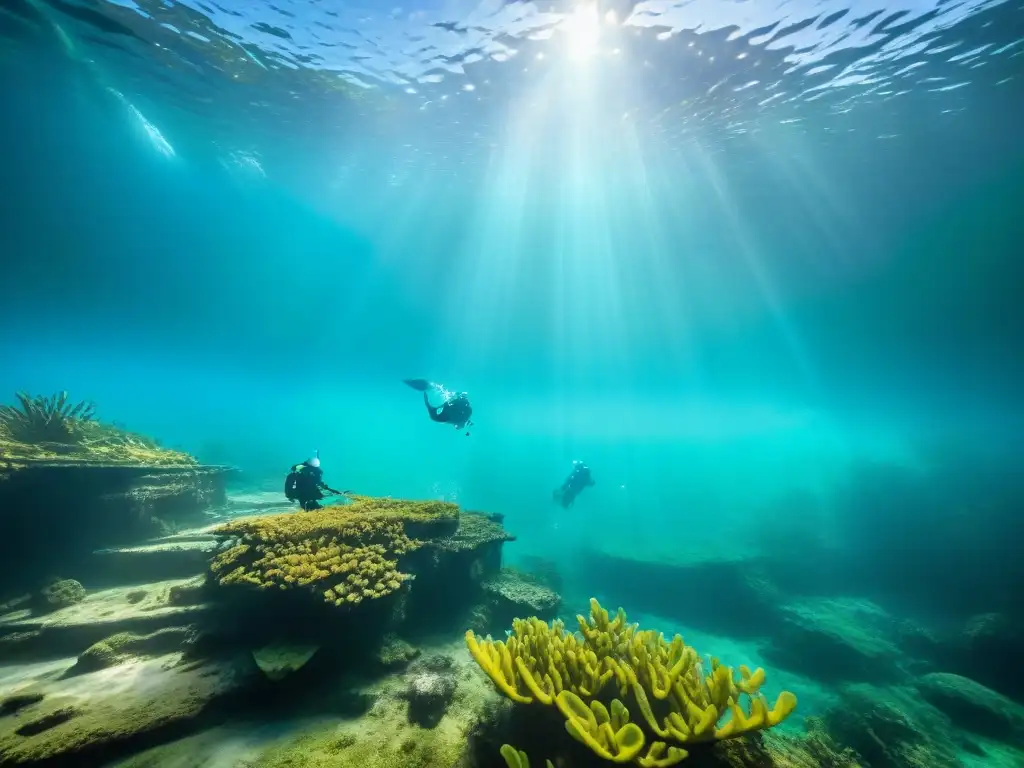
(574, 484)
(443, 406)
(305, 484)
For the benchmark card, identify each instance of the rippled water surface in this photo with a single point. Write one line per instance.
(447, 79)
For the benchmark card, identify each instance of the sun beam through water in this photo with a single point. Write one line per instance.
(583, 31)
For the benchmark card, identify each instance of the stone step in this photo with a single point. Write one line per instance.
(181, 554)
(140, 608)
(171, 557)
(245, 504)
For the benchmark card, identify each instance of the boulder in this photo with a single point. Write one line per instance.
(58, 594)
(973, 707)
(279, 660)
(837, 640)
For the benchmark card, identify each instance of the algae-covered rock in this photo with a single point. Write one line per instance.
(129, 646)
(191, 592)
(893, 728)
(973, 707)
(527, 595)
(429, 693)
(383, 736)
(279, 660)
(815, 749)
(140, 609)
(508, 595)
(989, 652)
(837, 640)
(15, 702)
(79, 717)
(396, 652)
(59, 594)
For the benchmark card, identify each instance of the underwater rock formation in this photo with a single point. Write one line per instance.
(277, 661)
(395, 652)
(620, 689)
(85, 718)
(974, 707)
(55, 516)
(835, 640)
(511, 593)
(892, 728)
(383, 732)
(204, 648)
(125, 647)
(431, 689)
(387, 559)
(58, 594)
(104, 674)
(988, 650)
(67, 632)
(70, 484)
(138, 666)
(756, 588)
(522, 593)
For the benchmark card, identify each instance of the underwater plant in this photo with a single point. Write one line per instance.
(609, 671)
(47, 419)
(56, 430)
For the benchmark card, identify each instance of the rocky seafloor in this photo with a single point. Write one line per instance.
(142, 661)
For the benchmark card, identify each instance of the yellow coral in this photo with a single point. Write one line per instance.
(663, 680)
(345, 553)
(515, 758)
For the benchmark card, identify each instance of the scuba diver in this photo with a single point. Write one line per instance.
(574, 484)
(305, 484)
(443, 406)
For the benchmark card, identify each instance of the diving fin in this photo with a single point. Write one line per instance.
(420, 385)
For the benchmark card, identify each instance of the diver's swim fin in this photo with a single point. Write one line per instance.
(420, 385)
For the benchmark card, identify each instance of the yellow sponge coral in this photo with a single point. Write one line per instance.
(346, 553)
(664, 681)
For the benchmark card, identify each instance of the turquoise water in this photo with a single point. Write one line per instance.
(758, 265)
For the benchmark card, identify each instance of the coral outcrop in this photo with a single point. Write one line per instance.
(345, 554)
(628, 694)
